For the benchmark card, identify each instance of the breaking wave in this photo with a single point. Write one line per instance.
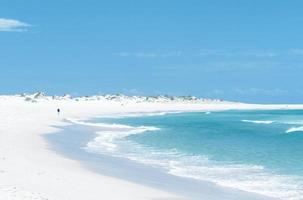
(252, 178)
(258, 121)
(295, 129)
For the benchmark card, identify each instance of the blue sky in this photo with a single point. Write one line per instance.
(240, 50)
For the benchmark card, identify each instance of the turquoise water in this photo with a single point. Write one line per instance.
(257, 151)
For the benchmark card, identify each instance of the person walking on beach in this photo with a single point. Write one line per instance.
(58, 111)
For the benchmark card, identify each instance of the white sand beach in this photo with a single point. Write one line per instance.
(30, 170)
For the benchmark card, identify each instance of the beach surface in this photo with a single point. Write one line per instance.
(30, 169)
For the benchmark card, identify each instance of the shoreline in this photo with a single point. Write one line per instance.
(139, 173)
(30, 170)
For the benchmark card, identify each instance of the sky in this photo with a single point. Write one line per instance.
(240, 50)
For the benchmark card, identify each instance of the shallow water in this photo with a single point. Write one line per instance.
(256, 151)
(71, 141)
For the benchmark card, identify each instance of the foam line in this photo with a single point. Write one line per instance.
(295, 129)
(258, 121)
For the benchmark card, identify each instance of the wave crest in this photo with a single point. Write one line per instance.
(258, 121)
(110, 134)
(295, 129)
(115, 127)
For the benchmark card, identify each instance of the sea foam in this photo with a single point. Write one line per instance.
(113, 139)
(258, 121)
(114, 127)
(295, 129)
(252, 178)
(108, 134)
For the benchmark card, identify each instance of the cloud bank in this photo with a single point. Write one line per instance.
(12, 25)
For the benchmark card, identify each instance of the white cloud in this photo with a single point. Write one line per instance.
(212, 52)
(248, 92)
(237, 53)
(266, 55)
(138, 54)
(260, 91)
(149, 54)
(12, 25)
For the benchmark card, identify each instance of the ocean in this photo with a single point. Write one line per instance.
(256, 151)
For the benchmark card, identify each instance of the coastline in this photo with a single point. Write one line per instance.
(29, 169)
(132, 171)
